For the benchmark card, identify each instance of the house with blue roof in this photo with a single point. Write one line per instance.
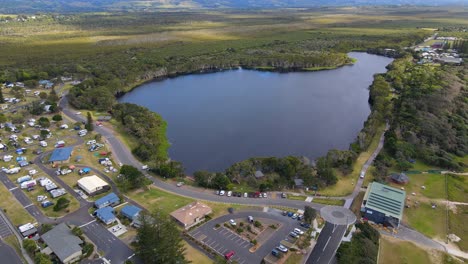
(106, 215)
(61, 155)
(130, 211)
(109, 200)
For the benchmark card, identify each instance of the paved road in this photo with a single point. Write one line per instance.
(223, 240)
(8, 254)
(349, 199)
(327, 244)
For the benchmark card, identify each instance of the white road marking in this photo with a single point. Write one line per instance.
(14, 188)
(87, 223)
(326, 244)
(28, 205)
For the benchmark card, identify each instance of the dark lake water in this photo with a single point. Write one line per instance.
(217, 119)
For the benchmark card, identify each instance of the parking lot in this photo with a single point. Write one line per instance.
(223, 240)
(4, 229)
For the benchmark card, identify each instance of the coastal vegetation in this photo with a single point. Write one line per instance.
(363, 248)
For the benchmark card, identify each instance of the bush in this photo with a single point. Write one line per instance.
(217, 225)
(241, 223)
(254, 241)
(62, 203)
(257, 224)
(273, 226)
(239, 230)
(88, 248)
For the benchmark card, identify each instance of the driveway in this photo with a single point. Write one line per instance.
(222, 240)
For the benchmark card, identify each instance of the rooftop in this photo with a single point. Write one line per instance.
(105, 214)
(109, 198)
(385, 199)
(62, 242)
(130, 210)
(61, 154)
(92, 182)
(190, 212)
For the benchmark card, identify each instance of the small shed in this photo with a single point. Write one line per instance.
(399, 178)
(259, 174)
(299, 183)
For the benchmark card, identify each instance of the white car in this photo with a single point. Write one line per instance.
(232, 222)
(282, 248)
(116, 228)
(362, 175)
(229, 193)
(265, 195)
(298, 231)
(221, 192)
(32, 172)
(78, 113)
(90, 142)
(179, 184)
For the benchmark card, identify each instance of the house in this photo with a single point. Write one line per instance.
(399, 178)
(61, 155)
(191, 214)
(106, 215)
(109, 200)
(131, 212)
(259, 174)
(27, 230)
(93, 185)
(298, 183)
(383, 204)
(61, 242)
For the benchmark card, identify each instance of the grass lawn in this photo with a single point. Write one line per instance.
(155, 198)
(434, 183)
(195, 256)
(297, 197)
(294, 259)
(345, 184)
(329, 201)
(220, 209)
(457, 188)
(356, 205)
(457, 225)
(393, 251)
(14, 210)
(431, 222)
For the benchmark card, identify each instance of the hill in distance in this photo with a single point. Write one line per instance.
(32, 6)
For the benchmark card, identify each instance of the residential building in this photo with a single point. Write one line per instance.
(110, 199)
(191, 214)
(131, 212)
(399, 178)
(61, 242)
(106, 215)
(383, 204)
(93, 185)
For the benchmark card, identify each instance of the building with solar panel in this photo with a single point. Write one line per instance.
(383, 204)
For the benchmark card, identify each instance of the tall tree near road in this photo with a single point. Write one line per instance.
(2, 100)
(309, 214)
(89, 125)
(159, 240)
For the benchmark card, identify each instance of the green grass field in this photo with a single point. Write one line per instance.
(393, 251)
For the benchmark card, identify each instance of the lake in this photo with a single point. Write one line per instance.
(217, 119)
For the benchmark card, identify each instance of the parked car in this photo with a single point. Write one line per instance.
(221, 192)
(283, 195)
(298, 231)
(362, 175)
(305, 225)
(180, 184)
(232, 222)
(294, 216)
(229, 255)
(250, 219)
(285, 213)
(275, 253)
(282, 248)
(290, 214)
(246, 195)
(293, 235)
(265, 195)
(229, 193)
(46, 204)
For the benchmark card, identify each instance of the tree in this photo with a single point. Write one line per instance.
(57, 118)
(131, 178)
(309, 214)
(44, 122)
(170, 169)
(41, 258)
(158, 240)
(30, 246)
(36, 108)
(42, 95)
(2, 100)
(3, 118)
(62, 203)
(53, 97)
(77, 231)
(89, 124)
(46, 228)
(44, 133)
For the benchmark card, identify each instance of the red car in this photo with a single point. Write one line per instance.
(229, 255)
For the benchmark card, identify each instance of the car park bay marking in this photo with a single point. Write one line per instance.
(87, 223)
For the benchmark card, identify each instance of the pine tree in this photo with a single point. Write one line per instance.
(89, 125)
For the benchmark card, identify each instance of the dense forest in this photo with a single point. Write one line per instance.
(362, 249)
